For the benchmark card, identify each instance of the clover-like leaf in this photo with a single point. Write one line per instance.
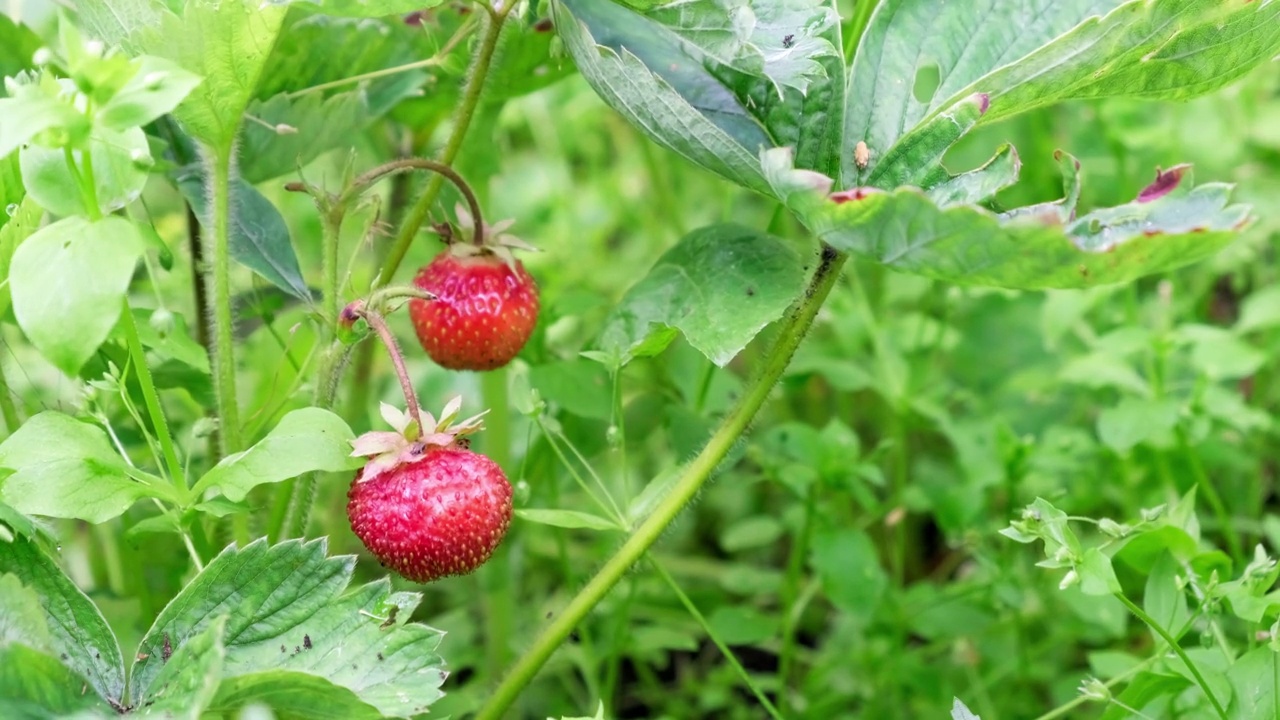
(907, 231)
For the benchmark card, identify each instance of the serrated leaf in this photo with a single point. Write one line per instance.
(719, 285)
(659, 87)
(906, 231)
(290, 610)
(571, 519)
(259, 236)
(77, 632)
(69, 281)
(64, 468)
(306, 440)
(185, 686)
(972, 39)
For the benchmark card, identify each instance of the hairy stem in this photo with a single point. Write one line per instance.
(152, 400)
(397, 359)
(790, 334)
(217, 255)
(462, 121)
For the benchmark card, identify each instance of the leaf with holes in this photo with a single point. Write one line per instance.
(717, 81)
(1170, 224)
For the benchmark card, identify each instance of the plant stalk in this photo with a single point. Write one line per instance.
(10, 411)
(152, 400)
(790, 335)
(217, 255)
(495, 577)
(1176, 648)
(462, 121)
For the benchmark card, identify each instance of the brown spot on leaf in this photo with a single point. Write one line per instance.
(543, 25)
(1165, 182)
(859, 193)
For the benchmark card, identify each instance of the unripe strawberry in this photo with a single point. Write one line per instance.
(486, 303)
(428, 507)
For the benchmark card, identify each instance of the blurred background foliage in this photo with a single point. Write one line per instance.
(851, 542)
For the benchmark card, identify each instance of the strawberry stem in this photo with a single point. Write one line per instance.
(695, 475)
(362, 183)
(379, 325)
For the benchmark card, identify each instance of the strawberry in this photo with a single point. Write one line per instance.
(486, 302)
(428, 507)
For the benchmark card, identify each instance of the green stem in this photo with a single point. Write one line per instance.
(791, 592)
(10, 411)
(152, 400)
(217, 255)
(462, 121)
(792, 332)
(499, 597)
(724, 649)
(1228, 528)
(88, 193)
(1177, 649)
(857, 26)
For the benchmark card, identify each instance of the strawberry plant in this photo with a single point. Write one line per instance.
(923, 286)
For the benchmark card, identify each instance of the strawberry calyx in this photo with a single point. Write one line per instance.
(495, 241)
(388, 449)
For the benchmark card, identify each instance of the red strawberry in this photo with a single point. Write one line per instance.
(428, 507)
(486, 302)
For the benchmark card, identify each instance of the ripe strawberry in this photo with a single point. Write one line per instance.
(428, 507)
(486, 302)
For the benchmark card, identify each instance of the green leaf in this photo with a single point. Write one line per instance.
(186, 684)
(1096, 574)
(571, 519)
(849, 568)
(751, 532)
(155, 89)
(69, 281)
(580, 386)
(1220, 354)
(1135, 421)
(64, 468)
(36, 686)
(117, 175)
(22, 618)
(29, 114)
(77, 632)
(292, 695)
(1260, 310)
(1163, 600)
(17, 44)
(736, 625)
(660, 85)
(906, 231)
(19, 227)
(175, 344)
(259, 236)
(1253, 677)
(290, 612)
(719, 285)
(306, 440)
(1144, 689)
